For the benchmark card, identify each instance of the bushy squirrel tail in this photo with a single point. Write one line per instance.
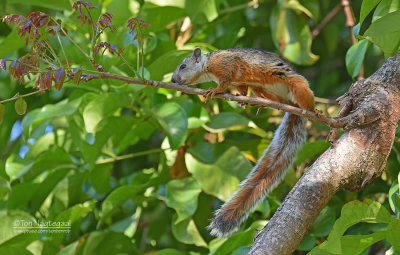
(266, 175)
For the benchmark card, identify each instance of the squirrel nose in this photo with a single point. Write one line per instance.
(173, 80)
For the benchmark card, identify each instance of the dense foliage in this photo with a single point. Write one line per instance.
(139, 170)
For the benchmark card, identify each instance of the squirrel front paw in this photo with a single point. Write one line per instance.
(210, 93)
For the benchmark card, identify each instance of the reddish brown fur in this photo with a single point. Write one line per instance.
(261, 180)
(226, 66)
(301, 92)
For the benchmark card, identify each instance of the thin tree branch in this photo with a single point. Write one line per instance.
(326, 20)
(329, 121)
(20, 96)
(126, 156)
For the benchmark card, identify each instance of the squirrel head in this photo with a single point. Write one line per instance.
(191, 69)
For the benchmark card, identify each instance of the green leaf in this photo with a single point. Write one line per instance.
(20, 106)
(186, 232)
(393, 233)
(109, 129)
(311, 151)
(128, 225)
(182, 196)
(350, 244)
(108, 243)
(173, 120)
(49, 111)
(232, 121)
(16, 166)
(385, 7)
(21, 194)
(100, 177)
(4, 188)
(323, 224)
(355, 211)
(11, 222)
(175, 3)
(397, 202)
(307, 244)
(57, 5)
(45, 188)
(393, 193)
(292, 34)
(169, 252)
(11, 43)
(313, 7)
(366, 8)
(352, 213)
(355, 57)
(2, 108)
(385, 33)
(226, 172)
(158, 68)
(297, 6)
(244, 238)
(202, 11)
(72, 215)
(160, 16)
(226, 120)
(102, 106)
(54, 158)
(117, 197)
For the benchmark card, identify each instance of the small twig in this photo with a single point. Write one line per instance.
(70, 39)
(350, 22)
(62, 49)
(325, 100)
(326, 20)
(132, 155)
(329, 121)
(128, 65)
(20, 96)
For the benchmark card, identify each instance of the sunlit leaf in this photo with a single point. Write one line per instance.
(226, 173)
(182, 196)
(355, 57)
(366, 8)
(385, 33)
(173, 121)
(394, 233)
(20, 106)
(186, 232)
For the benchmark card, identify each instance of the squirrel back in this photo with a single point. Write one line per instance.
(269, 76)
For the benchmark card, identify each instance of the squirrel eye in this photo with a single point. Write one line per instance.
(183, 66)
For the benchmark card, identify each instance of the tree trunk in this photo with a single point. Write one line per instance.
(355, 160)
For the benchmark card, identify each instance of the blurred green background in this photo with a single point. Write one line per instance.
(140, 170)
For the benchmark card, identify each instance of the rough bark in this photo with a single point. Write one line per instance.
(355, 160)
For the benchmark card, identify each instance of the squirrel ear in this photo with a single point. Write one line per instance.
(197, 53)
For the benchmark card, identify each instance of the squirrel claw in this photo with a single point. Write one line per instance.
(259, 109)
(210, 93)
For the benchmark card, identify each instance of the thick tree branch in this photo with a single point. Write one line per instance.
(354, 161)
(329, 121)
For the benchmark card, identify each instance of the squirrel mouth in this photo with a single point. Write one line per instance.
(178, 81)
